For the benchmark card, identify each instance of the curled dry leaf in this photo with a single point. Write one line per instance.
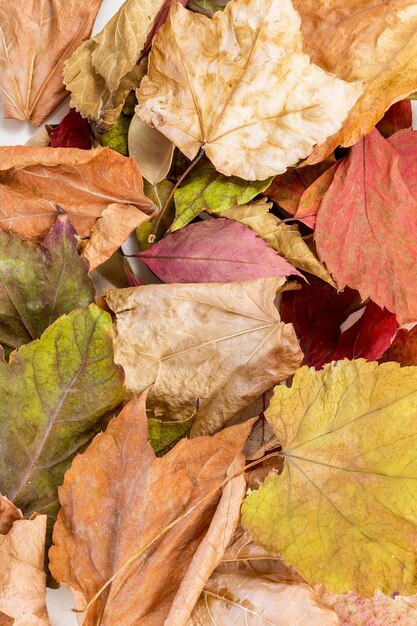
(139, 497)
(403, 348)
(34, 181)
(218, 345)
(398, 117)
(342, 498)
(36, 39)
(151, 150)
(9, 513)
(374, 42)
(72, 132)
(22, 579)
(240, 87)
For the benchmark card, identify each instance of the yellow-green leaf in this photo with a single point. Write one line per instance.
(344, 510)
(164, 435)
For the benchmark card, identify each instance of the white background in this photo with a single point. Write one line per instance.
(13, 132)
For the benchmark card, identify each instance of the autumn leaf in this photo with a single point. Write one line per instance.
(404, 348)
(398, 117)
(164, 435)
(152, 151)
(207, 7)
(56, 392)
(217, 251)
(348, 438)
(22, 579)
(34, 181)
(375, 43)
(286, 239)
(139, 497)
(366, 225)
(206, 189)
(9, 513)
(251, 99)
(218, 345)
(36, 39)
(310, 201)
(72, 132)
(38, 284)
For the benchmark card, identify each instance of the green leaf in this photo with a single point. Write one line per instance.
(164, 435)
(55, 393)
(38, 284)
(205, 188)
(159, 195)
(206, 7)
(116, 137)
(343, 511)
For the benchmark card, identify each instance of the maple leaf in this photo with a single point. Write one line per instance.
(36, 38)
(140, 498)
(284, 238)
(318, 313)
(375, 43)
(23, 581)
(404, 348)
(347, 435)
(366, 225)
(72, 132)
(49, 411)
(272, 105)
(38, 284)
(34, 181)
(205, 188)
(221, 345)
(217, 251)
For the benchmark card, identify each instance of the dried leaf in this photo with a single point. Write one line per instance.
(310, 201)
(403, 348)
(375, 43)
(207, 7)
(9, 513)
(366, 226)
(36, 39)
(240, 87)
(221, 345)
(72, 132)
(22, 579)
(284, 238)
(37, 285)
(346, 495)
(55, 393)
(152, 151)
(164, 435)
(139, 497)
(34, 181)
(41, 139)
(217, 251)
(206, 189)
(398, 117)
(159, 194)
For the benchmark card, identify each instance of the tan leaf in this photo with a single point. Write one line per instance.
(36, 38)
(9, 513)
(41, 139)
(35, 181)
(118, 497)
(284, 238)
(374, 42)
(22, 579)
(218, 346)
(151, 150)
(103, 70)
(240, 87)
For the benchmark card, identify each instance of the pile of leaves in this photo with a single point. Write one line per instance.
(216, 424)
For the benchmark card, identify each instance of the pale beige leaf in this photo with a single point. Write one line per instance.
(374, 42)
(284, 238)
(22, 579)
(36, 38)
(40, 139)
(237, 600)
(103, 70)
(240, 86)
(151, 150)
(216, 345)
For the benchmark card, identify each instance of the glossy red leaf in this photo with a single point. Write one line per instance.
(72, 132)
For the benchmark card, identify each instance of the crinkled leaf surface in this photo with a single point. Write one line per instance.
(347, 494)
(218, 345)
(36, 38)
(22, 579)
(206, 189)
(240, 87)
(404, 348)
(38, 284)
(72, 132)
(138, 496)
(55, 392)
(374, 42)
(217, 251)
(367, 224)
(35, 181)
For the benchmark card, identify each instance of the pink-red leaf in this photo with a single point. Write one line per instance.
(72, 132)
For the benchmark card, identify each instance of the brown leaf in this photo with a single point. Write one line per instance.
(35, 181)
(9, 513)
(118, 497)
(36, 38)
(22, 579)
(218, 345)
(373, 42)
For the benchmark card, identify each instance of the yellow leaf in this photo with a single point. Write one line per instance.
(374, 42)
(240, 86)
(344, 510)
